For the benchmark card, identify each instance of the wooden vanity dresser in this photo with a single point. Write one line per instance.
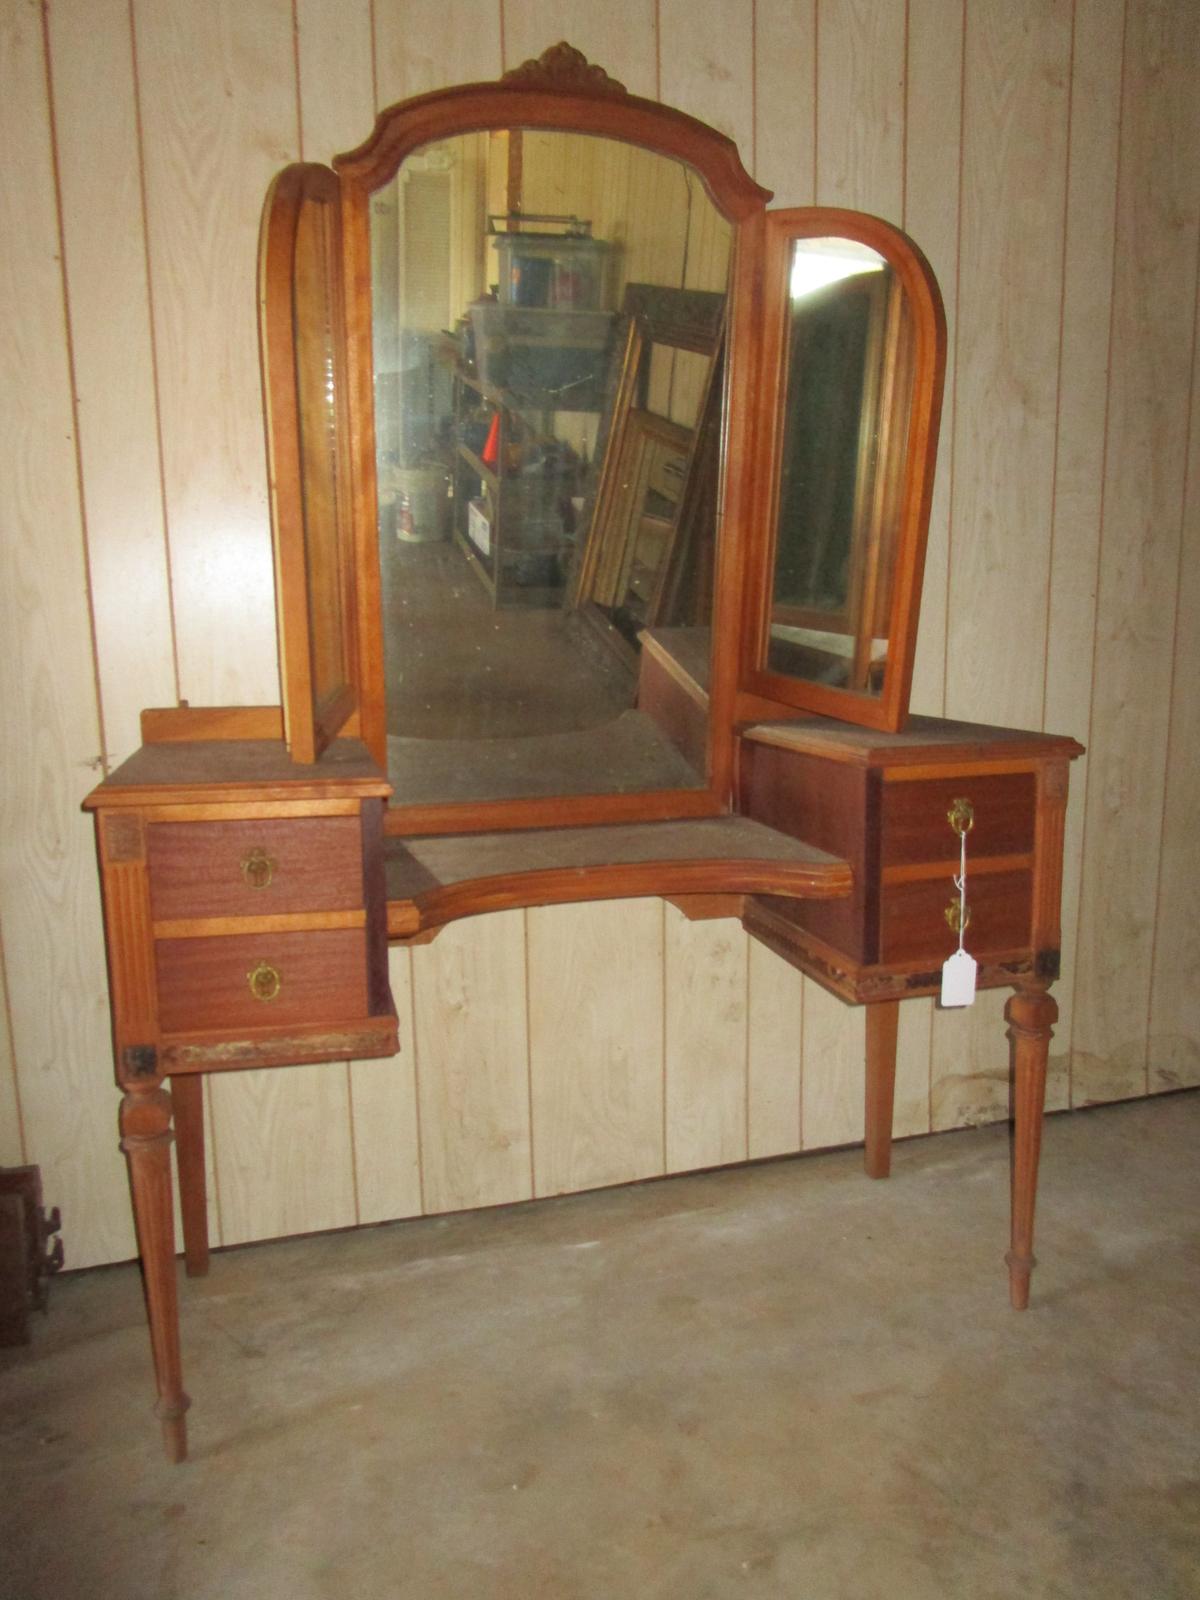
(692, 682)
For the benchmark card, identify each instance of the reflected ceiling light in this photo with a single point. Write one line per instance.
(817, 262)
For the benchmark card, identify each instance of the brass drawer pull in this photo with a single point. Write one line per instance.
(258, 868)
(265, 981)
(961, 816)
(958, 917)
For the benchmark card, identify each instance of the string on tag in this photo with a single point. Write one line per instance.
(960, 883)
(959, 970)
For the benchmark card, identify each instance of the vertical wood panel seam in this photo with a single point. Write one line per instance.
(952, 367)
(1103, 507)
(753, 88)
(949, 416)
(299, 92)
(6, 997)
(929, 1069)
(503, 40)
(533, 1189)
(69, 344)
(816, 98)
(414, 1010)
(353, 1142)
(904, 224)
(164, 512)
(904, 104)
(662, 1023)
(1058, 425)
(1183, 505)
(747, 1039)
(658, 49)
(207, 1110)
(374, 58)
(800, 1065)
(1058, 368)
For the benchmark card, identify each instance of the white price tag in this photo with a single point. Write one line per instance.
(958, 979)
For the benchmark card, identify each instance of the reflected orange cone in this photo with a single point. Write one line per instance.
(490, 454)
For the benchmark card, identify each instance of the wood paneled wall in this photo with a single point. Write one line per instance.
(1047, 156)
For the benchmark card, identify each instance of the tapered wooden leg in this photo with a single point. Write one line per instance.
(883, 1018)
(1031, 1013)
(146, 1140)
(187, 1095)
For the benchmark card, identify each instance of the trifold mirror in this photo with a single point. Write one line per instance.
(554, 406)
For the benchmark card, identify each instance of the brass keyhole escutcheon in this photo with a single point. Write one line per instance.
(955, 916)
(265, 981)
(258, 868)
(961, 816)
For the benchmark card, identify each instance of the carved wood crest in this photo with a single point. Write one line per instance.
(563, 67)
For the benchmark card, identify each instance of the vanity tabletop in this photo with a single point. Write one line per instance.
(921, 739)
(213, 771)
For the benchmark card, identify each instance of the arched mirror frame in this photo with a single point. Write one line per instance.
(763, 689)
(559, 92)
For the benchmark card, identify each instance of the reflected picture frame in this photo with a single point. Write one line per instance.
(657, 320)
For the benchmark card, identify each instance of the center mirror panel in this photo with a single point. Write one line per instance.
(547, 319)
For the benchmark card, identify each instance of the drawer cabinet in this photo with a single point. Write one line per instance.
(920, 857)
(244, 909)
(245, 923)
(884, 802)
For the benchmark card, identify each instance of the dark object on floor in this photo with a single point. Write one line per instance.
(27, 1259)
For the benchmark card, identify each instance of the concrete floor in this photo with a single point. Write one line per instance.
(777, 1381)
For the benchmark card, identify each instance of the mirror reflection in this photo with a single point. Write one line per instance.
(648, 558)
(502, 268)
(844, 440)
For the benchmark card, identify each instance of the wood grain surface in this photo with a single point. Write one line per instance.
(217, 98)
(104, 257)
(860, 98)
(1082, 415)
(705, 981)
(1146, 456)
(1015, 104)
(774, 1045)
(49, 896)
(12, 1143)
(471, 1025)
(596, 1043)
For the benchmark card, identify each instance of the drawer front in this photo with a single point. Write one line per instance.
(261, 980)
(254, 869)
(913, 924)
(916, 828)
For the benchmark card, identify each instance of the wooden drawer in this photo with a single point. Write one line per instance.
(916, 828)
(254, 869)
(913, 924)
(205, 984)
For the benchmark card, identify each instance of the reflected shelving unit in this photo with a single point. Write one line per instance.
(516, 487)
